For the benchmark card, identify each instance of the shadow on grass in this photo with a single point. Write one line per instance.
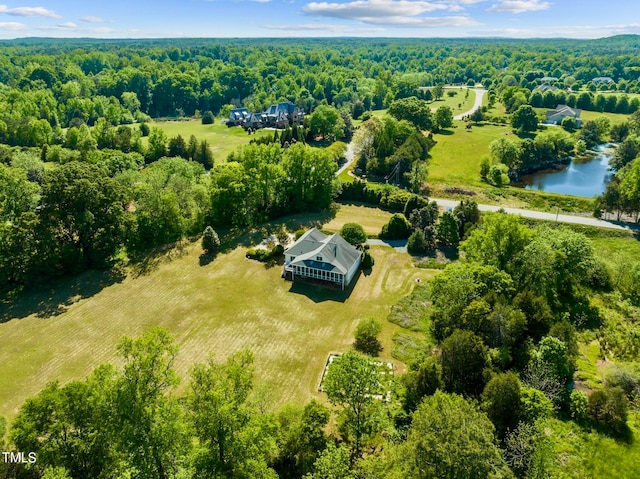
(320, 291)
(206, 258)
(231, 239)
(141, 264)
(445, 132)
(279, 261)
(54, 298)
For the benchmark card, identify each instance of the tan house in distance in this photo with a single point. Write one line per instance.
(556, 116)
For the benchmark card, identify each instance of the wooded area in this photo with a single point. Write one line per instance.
(89, 180)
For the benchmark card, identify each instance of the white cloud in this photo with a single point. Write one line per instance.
(92, 19)
(12, 26)
(406, 13)
(358, 9)
(519, 6)
(29, 12)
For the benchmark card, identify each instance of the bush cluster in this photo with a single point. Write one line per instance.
(265, 255)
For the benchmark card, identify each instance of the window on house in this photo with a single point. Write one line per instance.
(318, 258)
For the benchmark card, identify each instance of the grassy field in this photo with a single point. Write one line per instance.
(458, 102)
(455, 159)
(215, 309)
(371, 219)
(222, 140)
(376, 113)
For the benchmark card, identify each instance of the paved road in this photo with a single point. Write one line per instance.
(349, 155)
(480, 92)
(579, 220)
(398, 245)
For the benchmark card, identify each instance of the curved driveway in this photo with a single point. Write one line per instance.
(480, 92)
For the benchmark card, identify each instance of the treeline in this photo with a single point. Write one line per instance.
(515, 96)
(81, 215)
(62, 83)
(622, 195)
(585, 100)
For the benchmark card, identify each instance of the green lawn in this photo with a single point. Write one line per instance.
(65, 331)
(370, 218)
(376, 113)
(458, 103)
(455, 159)
(222, 140)
(614, 117)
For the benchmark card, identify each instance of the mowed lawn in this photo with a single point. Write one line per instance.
(222, 140)
(455, 159)
(458, 102)
(371, 219)
(216, 309)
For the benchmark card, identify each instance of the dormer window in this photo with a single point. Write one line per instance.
(318, 258)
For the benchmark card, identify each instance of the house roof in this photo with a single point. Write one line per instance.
(546, 87)
(548, 79)
(565, 110)
(337, 254)
(603, 80)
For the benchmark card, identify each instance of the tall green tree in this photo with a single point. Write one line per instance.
(498, 241)
(502, 402)
(524, 119)
(352, 382)
(449, 437)
(157, 144)
(353, 233)
(235, 441)
(309, 174)
(463, 358)
(327, 122)
(505, 151)
(443, 117)
(83, 209)
(413, 110)
(147, 421)
(68, 427)
(302, 438)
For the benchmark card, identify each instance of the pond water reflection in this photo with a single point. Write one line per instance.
(578, 178)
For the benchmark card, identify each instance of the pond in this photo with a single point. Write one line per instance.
(579, 178)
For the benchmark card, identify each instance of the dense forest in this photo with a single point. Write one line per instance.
(74, 104)
(87, 182)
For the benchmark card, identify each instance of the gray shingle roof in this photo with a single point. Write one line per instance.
(336, 253)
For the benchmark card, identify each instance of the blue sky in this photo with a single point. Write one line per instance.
(319, 18)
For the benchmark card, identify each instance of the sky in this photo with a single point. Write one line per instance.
(319, 18)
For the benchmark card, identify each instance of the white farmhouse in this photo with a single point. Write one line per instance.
(319, 256)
